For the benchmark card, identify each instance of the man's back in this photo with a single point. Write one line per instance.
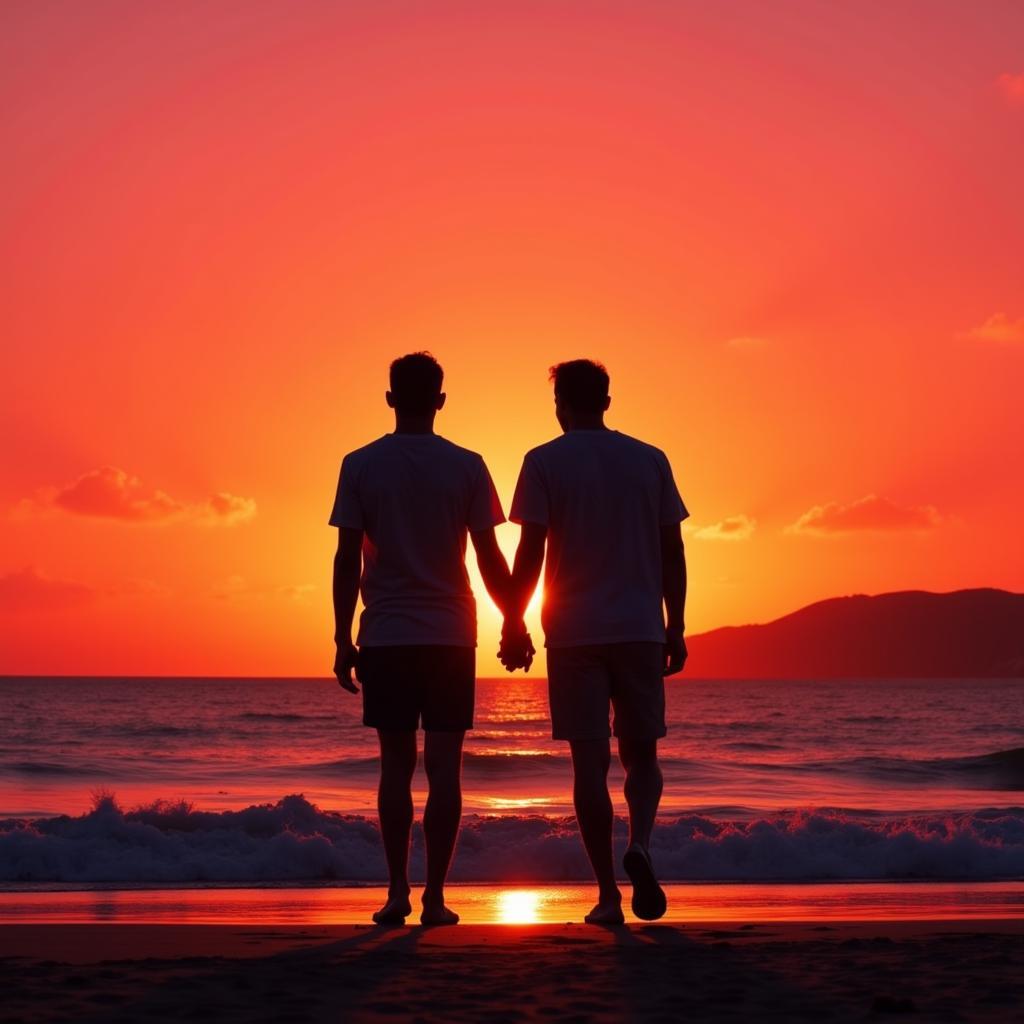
(414, 496)
(603, 497)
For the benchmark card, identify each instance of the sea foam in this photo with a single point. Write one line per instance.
(294, 840)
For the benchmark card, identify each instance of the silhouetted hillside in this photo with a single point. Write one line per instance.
(968, 633)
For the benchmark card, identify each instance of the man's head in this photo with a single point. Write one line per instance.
(416, 381)
(581, 391)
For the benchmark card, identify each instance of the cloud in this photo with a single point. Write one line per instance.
(1012, 87)
(112, 493)
(747, 342)
(868, 513)
(29, 590)
(731, 528)
(999, 328)
(225, 509)
(137, 588)
(233, 587)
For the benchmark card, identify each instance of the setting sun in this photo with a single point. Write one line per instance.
(519, 906)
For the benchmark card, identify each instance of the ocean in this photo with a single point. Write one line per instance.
(264, 781)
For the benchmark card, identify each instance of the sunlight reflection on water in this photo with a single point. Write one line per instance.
(512, 905)
(503, 803)
(518, 906)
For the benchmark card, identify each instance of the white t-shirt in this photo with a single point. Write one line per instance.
(604, 497)
(415, 496)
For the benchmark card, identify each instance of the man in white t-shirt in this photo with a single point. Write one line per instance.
(404, 506)
(606, 508)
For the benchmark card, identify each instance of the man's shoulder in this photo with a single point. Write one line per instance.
(440, 448)
(642, 448)
(456, 451)
(462, 461)
(367, 451)
(564, 444)
(628, 440)
(554, 447)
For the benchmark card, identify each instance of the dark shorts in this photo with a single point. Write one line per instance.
(585, 682)
(401, 685)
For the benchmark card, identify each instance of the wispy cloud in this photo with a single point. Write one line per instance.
(137, 588)
(739, 527)
(29, 590)
(112, 493)
(1012, 87)
(998, 328)
(233, 587)
(225, 509)
(870, 513)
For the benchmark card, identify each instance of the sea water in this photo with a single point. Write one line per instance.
(170, 781)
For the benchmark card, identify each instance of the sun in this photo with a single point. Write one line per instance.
(519, 906)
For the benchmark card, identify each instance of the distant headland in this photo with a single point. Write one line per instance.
(909, 634)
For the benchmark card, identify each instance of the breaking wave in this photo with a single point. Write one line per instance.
(294, 840)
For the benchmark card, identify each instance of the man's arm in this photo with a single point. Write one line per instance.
(673, 577)
(493, 567)
(517, 649)
(347, 567)
(526, 569)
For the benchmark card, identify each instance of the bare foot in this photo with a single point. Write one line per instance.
(438, 914)
(395, 911)
(608, 911)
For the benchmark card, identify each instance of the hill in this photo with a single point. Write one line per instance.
(910, 634)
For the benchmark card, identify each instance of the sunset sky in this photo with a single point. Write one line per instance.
(794, 232)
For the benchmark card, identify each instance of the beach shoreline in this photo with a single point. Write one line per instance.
(273, 905)
(709, 970)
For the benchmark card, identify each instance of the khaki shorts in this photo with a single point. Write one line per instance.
(583, 682)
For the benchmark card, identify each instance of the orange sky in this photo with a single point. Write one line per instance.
(792, 231)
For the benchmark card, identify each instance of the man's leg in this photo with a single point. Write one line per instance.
(442, 758)
(643, 793)
(394, 805)
(590, 761)
(643, 787)
(638, 697)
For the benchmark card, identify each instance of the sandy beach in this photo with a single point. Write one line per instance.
(934, 971)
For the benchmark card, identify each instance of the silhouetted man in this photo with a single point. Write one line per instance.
(607, 509)
(404, 505)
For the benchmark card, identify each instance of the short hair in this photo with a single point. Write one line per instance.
(416, 381)
(581, 384)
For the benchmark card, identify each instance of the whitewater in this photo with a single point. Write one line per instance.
(210, 781)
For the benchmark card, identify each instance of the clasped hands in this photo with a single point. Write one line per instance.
(516, 650)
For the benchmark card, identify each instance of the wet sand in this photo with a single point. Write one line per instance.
(776, 971)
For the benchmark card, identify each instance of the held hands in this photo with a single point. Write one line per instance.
(516, 650)
(675, 652)
(345, 661)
